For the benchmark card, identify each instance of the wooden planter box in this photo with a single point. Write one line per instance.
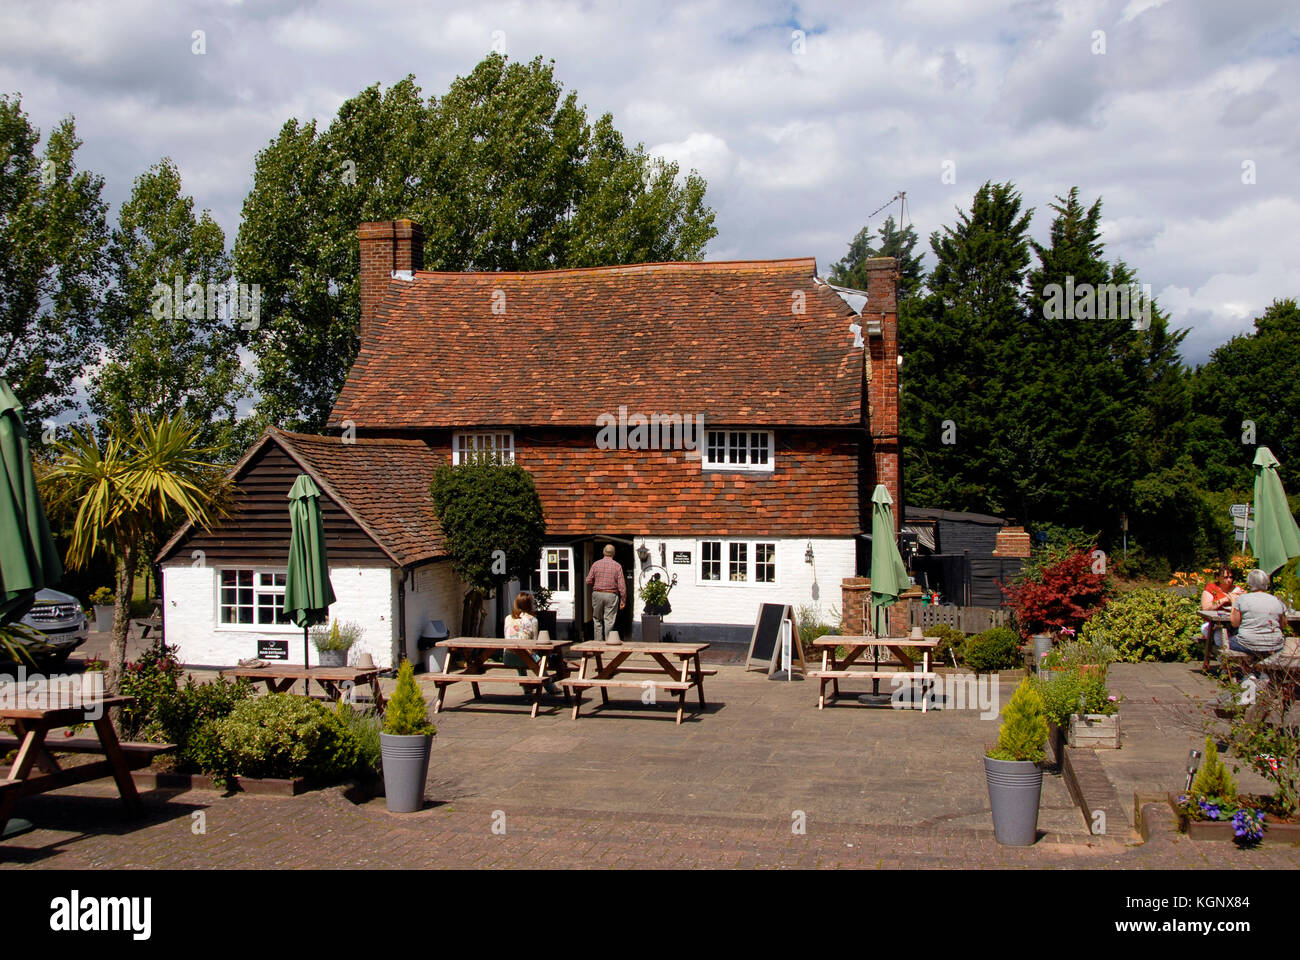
(156, 780)
(1094, 731)
(1221, 830)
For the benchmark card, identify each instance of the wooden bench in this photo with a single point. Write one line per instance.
(872, 674)
(703, 672)
(674, 685)
(90, 745)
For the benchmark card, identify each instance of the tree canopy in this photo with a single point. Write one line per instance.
(503, 172)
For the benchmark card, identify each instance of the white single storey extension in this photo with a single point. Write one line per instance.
(223, 589)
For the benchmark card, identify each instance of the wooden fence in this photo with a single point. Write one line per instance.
(966, 619)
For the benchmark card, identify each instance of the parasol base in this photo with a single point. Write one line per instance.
(15, 827)
(785, 675)
(875, 699)
(912, 700)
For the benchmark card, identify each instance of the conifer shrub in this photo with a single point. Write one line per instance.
(1213, 779)
(407, 714)
(1024, 727)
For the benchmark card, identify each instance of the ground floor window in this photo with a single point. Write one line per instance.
(555, 571)
(252, 597)
(747, 561)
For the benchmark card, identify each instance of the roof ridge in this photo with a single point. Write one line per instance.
(657, 266)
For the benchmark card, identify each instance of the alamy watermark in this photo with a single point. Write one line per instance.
(658, 431)
(212, 301)
(1103, 301)
(36, 691)
(950, 691)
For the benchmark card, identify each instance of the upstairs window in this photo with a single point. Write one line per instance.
(739, 450)
(465, 446)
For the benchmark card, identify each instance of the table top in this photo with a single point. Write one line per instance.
(497, 643)
(1221, 616)
(79, 712)
(298, 673)
(857, 641)
(670, 649)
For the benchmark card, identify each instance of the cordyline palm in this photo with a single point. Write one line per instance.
(152, 476)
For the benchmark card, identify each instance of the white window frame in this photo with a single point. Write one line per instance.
(738, 450)
(750, 549)
(500, 442)
(542, 573)
(258, 591)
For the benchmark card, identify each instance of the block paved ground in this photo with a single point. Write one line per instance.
(624, 786)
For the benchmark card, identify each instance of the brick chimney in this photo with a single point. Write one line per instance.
(387, 248)
(880, 330)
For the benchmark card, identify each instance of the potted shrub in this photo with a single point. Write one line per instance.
(333, 643)
(1013, 768)
(102, 600)
(545, 615)
(405, 743)
(654, 594)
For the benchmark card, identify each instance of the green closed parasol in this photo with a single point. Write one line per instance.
(28, 559)
(1274, 539)
(308, 592)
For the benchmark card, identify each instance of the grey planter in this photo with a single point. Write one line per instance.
(1014, 790)
(332, 658)
(1042, 645)
(104, 616)
(406, 765)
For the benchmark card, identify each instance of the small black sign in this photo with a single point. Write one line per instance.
(273, 649)
(682, 556)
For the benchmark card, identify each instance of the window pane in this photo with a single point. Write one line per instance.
(758, 448)
(717, 443)
(711, 560)
(765, 562)
(738, 562)
(736, 448)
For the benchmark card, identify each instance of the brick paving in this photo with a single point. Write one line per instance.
(623, 786)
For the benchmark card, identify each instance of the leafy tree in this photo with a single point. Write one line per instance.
(1250, 381)
(116, 496)
(900, 244)
(963, 363)
(493, 523)
(53, 239)
(503, 172)
(165, 352)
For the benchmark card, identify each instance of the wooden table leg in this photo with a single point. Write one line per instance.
(121, 770)
(442, 692)
(681, 705)
(699, 679)
(41, 755)
(30, 751)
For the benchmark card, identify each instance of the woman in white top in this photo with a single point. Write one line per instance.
(1260, 618)
(522, 625)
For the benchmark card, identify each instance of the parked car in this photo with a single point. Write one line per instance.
(62, 624)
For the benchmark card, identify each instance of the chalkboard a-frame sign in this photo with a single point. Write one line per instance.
(765, 643)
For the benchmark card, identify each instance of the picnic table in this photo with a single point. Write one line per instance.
(1220, 620)
(333, 680)
(478, 651)
(31, 726)
(834, 669)
(681, 676)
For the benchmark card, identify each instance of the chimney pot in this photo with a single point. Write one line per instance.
(388, 248)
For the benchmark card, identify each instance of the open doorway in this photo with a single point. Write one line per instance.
(626, 558)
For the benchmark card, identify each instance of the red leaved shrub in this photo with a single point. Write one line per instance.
(1064, 594)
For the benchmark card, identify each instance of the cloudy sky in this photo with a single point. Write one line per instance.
(804, 118)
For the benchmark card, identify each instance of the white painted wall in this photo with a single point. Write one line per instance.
(366, 595)
(437, 594)
(797, 583)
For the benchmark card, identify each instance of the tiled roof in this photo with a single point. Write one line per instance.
(561, 347)
(383, 484)
(587, 490)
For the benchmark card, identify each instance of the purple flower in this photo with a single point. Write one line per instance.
(1211, 810)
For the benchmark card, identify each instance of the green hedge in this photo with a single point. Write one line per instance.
(994, 649)
(282, 735)
(1148, 624)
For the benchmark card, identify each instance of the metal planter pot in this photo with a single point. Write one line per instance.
(104, 617)
(332, 658)
(1015, 787)
(1042, 647)
(406, 766)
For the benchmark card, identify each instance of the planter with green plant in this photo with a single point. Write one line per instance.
(333, 642)
(405, 743)
(654, 594)
(1013, 768)
(546, 617)
(102, 600)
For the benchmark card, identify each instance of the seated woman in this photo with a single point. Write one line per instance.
(522, 625)
(1260, 619)
(1219, 596)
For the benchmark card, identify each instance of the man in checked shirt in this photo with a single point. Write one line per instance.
(609, 593)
